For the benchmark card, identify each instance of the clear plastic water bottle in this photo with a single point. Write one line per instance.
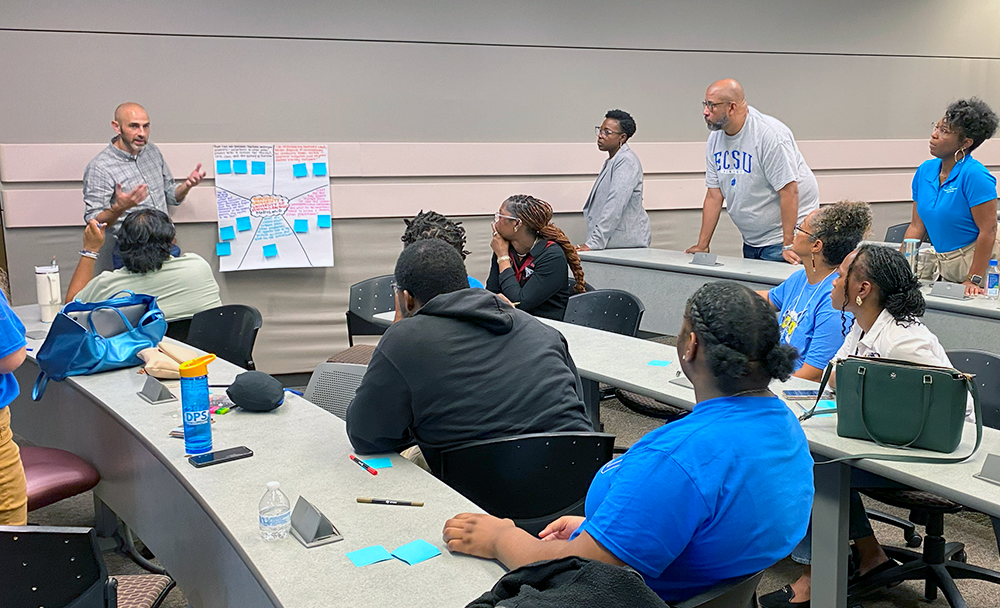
(911, 249)
(993, 281)
(194, 405)
(275, 513)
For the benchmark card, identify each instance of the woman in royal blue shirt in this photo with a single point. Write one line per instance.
(955, 198)
(725, 491)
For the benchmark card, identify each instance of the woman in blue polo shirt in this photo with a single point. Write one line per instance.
(955, 198)
(725, 491)
(13, 488)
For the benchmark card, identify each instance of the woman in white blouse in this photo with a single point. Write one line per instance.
(876, 285)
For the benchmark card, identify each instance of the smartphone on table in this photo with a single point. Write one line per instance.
(206, 460)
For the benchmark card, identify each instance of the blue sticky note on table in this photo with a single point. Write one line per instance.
(243, 224)
(319, 169)
(223, 167)
(227, 233)
(301, 225)
(323, 221)
(299, 169)
(222, 249)
(658, 363)
(379, 463)
(240, 166)
(369, 555)
(257, 167)
(416, 552)
(270, 251)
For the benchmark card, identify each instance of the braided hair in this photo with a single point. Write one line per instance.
(898, 288)
(973, 118)
(739, 333)
(536, 214)
(433, 225)
(841, 227)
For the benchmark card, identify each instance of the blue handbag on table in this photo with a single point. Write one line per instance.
(91, 337)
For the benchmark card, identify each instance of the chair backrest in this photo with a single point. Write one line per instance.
(587, 287)
(738, 592)
(178, 329)
(368, 298)
(227, 331)
(332, 386)
(531, 479)
(52, 567)
(611, 310)
(895, 233)
(986, 367)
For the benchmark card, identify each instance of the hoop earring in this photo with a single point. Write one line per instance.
(858, 301)
(957, 159)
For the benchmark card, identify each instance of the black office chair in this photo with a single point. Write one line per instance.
(941, 562)
(611, 310)
(178, 329)
(227, 331)
(587, 287)
(60, 567)
(896, 233)
(740, 592)
(368, 298)
(532, 479)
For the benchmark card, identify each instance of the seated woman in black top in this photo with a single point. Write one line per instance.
(530, 258)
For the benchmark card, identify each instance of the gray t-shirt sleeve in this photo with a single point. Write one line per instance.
(711, 174)
(778, 160)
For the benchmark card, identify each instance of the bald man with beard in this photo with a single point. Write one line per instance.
(754, 165)
(131, 174)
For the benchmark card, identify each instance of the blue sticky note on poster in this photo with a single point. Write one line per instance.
(301, 225)
(223, 248)
(243, 224)
(227, 233)
(257, 167)
(658, 363)
(270, 251)
(240, 167)
(379, 463)
(319, 169)
(323, 221)
(223, 167)
(369, 555)
(299, 170)
(416, 552)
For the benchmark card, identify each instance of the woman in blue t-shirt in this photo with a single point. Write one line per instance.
(808, 321)
(13, 488)
(725, 491)
(955, 198)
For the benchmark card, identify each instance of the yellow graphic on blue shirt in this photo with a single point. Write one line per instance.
(788, 325)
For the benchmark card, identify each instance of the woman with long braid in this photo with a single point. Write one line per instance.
(875, 285)
(531, 258)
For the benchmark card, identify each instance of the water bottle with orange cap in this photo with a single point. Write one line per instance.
(194, 404)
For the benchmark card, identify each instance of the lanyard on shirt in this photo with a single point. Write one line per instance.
(521, 272)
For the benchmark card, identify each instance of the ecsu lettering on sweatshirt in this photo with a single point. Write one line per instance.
(733, 161)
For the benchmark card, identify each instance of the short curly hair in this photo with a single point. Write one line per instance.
(625, 121)
(433, 225)
(145, 239)
(973, 118)
(841, 227)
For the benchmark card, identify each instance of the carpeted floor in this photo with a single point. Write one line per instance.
(972, 529)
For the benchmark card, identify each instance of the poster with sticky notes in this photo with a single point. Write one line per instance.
(271, 200)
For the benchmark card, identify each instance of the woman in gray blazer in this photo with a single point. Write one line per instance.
(614, 213)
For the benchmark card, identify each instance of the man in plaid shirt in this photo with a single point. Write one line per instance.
(131, 173)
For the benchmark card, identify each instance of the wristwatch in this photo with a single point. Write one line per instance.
(976, 279)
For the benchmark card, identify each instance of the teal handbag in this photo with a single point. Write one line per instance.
(900, 404)
(91, 337)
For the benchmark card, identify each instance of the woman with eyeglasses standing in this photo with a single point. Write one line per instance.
(532, 258)
(808, 321)
(614, 213)
(955, 199)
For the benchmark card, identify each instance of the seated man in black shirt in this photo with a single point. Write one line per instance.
(461, 366)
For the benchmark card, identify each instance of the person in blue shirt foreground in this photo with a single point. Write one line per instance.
(13, 487)
(723, 492)
(808, 321)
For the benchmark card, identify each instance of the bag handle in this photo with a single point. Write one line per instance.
(130, 293)
(90, 319)
(819, 396)
(39, 389)
(927, 394)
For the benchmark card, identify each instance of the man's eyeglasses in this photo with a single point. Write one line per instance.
(497, 216)
(711, 104)
(799, 228)
(395, 286)
(606, 132)
(940, 128)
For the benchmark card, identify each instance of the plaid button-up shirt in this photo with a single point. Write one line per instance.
(114, 166)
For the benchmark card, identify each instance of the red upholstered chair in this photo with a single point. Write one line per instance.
(54, 475)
